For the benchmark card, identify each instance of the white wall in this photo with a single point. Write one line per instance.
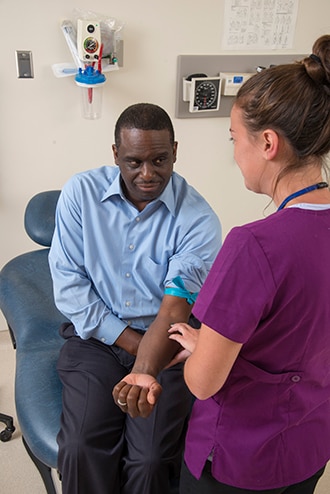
(44, 140)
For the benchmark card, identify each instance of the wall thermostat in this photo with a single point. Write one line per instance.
(88, 40)
(204, 94)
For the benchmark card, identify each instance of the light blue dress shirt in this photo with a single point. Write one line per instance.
(110, 263)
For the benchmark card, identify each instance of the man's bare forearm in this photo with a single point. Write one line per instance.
(129, 340)
(156, 350)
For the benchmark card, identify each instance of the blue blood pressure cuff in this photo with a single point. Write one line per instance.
(179, 290)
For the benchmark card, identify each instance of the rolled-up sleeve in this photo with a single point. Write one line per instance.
(196, 253)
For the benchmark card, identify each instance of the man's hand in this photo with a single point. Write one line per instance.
(137, 394)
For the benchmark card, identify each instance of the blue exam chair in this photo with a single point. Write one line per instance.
(26, 300)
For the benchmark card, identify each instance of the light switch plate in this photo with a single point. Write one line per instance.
(24, 64)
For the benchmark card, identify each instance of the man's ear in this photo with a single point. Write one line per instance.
(175, 150)
(271, 142)
(115, 153)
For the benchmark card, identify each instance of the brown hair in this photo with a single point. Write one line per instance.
(294, 100)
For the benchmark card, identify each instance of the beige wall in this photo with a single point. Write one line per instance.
(44, 140)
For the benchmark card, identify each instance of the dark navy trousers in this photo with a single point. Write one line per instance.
(101, 449)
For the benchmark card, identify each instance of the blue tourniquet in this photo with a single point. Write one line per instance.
(180, 291)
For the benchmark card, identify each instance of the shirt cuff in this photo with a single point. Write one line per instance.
(110, 329)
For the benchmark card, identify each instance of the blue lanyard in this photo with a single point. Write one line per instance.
(320, 185)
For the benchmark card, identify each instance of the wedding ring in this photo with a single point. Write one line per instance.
(121, 403)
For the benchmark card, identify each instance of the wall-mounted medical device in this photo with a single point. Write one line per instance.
(90, 79)
(96, 46)
(85, 38)
(202, 92)
(88, 40)
(193, 101)
(232, 81)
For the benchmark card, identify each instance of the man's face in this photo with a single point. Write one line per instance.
(145, 159)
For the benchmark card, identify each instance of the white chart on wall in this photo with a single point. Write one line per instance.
(254, 25)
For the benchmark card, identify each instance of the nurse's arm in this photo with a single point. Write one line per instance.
(208, 367)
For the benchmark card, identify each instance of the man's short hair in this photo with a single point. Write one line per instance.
(143, 116)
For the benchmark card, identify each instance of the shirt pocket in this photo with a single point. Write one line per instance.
(154, 273)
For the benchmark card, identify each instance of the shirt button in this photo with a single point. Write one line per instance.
(137, 219)
(131, 247)
(127, 303)
(295, 379)
(103, 340)
(128, 275)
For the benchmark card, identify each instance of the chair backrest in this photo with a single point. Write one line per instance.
(39, 219)
(26, 292)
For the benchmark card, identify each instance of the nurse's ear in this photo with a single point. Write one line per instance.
(271, 144)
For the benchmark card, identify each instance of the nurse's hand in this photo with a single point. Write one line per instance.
(185, 335)
(137, 394)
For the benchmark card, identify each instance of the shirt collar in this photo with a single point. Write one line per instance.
(166, 197)
(114, 189)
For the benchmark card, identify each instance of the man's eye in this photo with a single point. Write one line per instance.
(133, 164)
(159, 161)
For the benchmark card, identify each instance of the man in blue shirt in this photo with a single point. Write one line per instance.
(132, 245)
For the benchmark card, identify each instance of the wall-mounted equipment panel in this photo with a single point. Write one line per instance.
(235, 67)
(88, 40)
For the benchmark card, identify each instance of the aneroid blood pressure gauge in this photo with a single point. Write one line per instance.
(204, 94)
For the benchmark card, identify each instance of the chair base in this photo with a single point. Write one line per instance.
(6, 434)
(44, 470)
